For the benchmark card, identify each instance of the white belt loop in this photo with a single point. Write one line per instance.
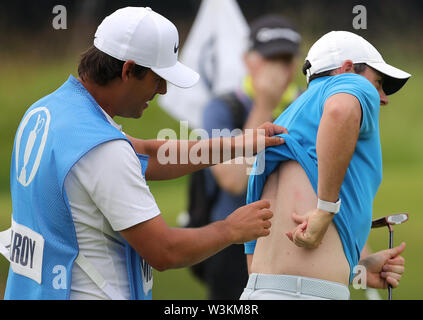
(299, 285)
(253, 279)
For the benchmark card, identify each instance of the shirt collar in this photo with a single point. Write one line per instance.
(111, 121)
(77, 83)
(317, 80)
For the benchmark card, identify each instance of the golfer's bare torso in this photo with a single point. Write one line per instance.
(288, 189)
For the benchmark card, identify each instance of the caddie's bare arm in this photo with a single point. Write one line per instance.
(225, 148)
(164, 247)
(336, 139)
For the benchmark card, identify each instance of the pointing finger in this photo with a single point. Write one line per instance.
(266, 214)
(274, 141)
(267, 224)
(289, 235)
(261, 204)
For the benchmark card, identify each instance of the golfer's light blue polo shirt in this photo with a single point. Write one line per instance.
(364, 173)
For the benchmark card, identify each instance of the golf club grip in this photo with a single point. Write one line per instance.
(389, 292)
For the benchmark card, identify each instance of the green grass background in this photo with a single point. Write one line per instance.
(28, 79)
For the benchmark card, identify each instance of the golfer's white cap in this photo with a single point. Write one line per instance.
(331, 50)
(147, 38)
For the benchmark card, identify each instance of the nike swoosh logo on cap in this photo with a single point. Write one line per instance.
(175, 48)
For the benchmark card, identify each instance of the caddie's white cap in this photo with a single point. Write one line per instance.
(147, 38)
(331, 50)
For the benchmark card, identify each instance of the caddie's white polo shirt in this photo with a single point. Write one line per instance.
(106, 193)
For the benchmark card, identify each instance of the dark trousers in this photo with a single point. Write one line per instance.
(226, 273)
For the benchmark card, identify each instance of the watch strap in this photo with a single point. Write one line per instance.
(332, 207)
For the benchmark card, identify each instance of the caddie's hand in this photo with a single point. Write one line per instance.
(255, 140)
(311, 228)
(250, 222)
(269, 131)
(384, 267)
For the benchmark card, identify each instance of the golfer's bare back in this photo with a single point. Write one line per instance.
(289, 190)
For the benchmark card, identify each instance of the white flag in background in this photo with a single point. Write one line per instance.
(214, 48)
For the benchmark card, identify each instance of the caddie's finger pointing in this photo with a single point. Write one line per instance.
(266, 214)
(274, 141)
(267, 224)
(261, 204)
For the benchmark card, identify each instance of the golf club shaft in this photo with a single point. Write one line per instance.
(391, 239)
(391, 245)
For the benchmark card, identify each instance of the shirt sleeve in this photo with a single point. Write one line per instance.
(366, 94)
(111, 175)
(250, 246)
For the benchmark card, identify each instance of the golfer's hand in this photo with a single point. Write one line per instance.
(256, 140)
(311, 228)
(384, 267)
(249, 222)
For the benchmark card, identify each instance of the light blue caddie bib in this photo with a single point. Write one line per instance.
(53, 135)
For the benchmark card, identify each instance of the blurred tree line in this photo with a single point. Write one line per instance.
(28, 38)
(28, 24)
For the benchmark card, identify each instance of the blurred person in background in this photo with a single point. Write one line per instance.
(267, 89)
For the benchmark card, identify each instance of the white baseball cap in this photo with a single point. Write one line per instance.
(332, 49)
(147, 38)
